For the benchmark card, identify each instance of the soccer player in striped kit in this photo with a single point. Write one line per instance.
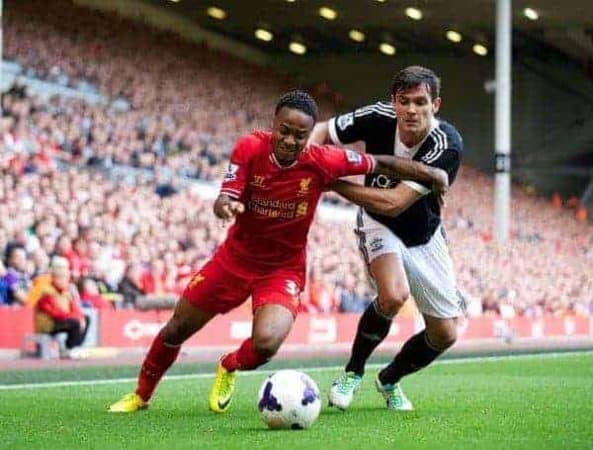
(404, 243)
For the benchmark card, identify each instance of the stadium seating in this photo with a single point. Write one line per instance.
(142, 228)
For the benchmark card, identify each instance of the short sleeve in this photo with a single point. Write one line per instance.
(356, 125)
(449, 160)
(337, 162)
(234, 180)
(442, 151)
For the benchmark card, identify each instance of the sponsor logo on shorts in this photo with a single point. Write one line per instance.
(376, 244)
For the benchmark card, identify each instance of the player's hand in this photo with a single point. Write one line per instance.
(233, 208)
(440, 185)
(227, 210)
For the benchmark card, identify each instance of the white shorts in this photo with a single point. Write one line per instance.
(428, 267)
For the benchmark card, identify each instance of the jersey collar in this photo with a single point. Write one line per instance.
(280, 166)
(433, 124)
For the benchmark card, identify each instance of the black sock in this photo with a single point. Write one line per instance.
(373, 327)
(416, 353)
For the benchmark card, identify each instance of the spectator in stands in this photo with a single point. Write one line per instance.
(170, 125)
(131, 285)
(17, 280)
(322, 295)
(354, 298)
(3, 285)
(58, 309)
(90, 295)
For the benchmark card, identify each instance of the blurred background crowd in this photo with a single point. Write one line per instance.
(110, 186)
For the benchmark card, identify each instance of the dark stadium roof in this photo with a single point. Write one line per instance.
(566, 25)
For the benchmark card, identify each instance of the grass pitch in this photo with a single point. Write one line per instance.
(531, 402)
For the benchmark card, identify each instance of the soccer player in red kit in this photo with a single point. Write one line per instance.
(271, 189)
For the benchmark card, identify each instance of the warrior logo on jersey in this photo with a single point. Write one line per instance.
(353, 157)
(258, 180)
(231, 172)
(345, 121)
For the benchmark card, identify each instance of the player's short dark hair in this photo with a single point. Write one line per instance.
(300, 100)
(412, 76)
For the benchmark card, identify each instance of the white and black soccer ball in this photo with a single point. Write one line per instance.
(289, 399)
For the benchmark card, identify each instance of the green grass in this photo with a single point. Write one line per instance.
(523, 403)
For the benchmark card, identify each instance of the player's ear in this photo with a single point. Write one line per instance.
(436, 105)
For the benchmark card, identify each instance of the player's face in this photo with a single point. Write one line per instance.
(415, 109)
(290, 133)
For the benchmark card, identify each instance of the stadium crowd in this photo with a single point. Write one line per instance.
(126, 238)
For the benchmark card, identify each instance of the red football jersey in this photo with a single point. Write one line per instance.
(279, 201)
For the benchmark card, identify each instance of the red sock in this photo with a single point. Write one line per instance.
(245, 358)
(157, 361)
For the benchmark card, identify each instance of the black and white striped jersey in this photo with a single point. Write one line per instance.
(376, 125)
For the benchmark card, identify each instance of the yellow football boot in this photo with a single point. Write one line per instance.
(128, 403)
(222, 389)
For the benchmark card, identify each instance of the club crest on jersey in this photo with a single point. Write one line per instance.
(345, 120)
(304, 186)
(353, 157)
(231, 172)
(292, 288)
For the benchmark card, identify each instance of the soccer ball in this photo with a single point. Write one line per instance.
(289, 399)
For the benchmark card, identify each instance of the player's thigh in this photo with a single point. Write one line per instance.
(187, 319)
(381, 251)
(216, 289)
(271, 325)
(275, 301)
(282, 287)
(432, 281)
(390, 277)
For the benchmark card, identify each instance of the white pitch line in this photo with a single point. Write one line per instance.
(56, 384)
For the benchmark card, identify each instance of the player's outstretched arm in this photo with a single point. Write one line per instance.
(388, 202)
(406, 169)
(320, 134)
(227, 208)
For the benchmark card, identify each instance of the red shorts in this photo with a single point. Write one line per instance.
(216, 288)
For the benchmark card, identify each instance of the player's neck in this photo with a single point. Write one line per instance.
(412, 139)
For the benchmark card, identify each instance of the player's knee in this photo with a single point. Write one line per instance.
(175, 332)
(266, 343)
(443, 338)
(392, 302)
